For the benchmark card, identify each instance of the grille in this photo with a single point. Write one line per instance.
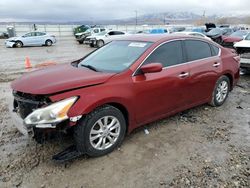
(25, 103)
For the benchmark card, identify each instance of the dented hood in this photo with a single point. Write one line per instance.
(58, 78)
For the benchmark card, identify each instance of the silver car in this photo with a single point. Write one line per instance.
(31, 39)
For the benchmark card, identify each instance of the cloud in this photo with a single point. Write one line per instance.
(77, 10)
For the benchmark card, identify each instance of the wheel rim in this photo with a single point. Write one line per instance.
(49, 43)
(221, 92)
(105, 132)
(18, 44)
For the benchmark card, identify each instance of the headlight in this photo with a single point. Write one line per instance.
(53, 113)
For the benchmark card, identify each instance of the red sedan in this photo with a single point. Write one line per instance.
(121, 86)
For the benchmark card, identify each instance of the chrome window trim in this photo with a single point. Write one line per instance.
(194, 61)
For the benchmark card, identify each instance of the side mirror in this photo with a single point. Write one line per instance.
(151, 68)
(106, 35)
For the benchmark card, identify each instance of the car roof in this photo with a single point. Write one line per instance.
(156, 37)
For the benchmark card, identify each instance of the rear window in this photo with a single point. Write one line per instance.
(197, 50)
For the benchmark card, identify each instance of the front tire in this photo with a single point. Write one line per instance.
(221, 91)
(99, 43)
(48, 42)
(100, 132)
(19, 44)
(91, 45)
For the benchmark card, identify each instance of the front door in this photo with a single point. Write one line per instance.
(158, 94)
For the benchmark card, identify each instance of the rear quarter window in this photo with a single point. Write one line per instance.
(197, 49)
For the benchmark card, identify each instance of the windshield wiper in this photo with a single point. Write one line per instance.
(90, 67)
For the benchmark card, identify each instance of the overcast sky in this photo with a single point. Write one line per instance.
(77, 10)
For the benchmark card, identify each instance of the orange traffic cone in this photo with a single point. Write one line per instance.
(27, 63)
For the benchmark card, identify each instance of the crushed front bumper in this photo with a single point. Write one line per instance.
(19, 124)
(9, 44)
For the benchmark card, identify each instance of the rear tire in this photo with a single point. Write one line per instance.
(100, 132)
(221, 91)
(48, 42)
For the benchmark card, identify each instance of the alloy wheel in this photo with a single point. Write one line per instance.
(105, 132)
(221, 92)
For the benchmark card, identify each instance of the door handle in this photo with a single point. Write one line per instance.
(183, 74)
(216, 64)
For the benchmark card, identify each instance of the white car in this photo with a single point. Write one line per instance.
(80, 37)
(31, 39)
(243, 48)
(197, 34)
(102, 38)
(244, 45)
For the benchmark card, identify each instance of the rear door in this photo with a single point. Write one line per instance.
(158, 94)
(40, 38)
(205, 67)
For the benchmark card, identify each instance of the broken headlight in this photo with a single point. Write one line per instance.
(53, 113)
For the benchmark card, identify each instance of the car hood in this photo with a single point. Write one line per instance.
(58, 78)
(243, 44)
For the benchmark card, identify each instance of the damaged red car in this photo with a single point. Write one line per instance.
(121, 86)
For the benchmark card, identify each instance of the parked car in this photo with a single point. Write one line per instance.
(228, 41)
(81, 29)
(102, 38)
(197, 34)
(4, 35)
(158, 31)
(122, 86)
(216, 34)
(245, 62)
(80, 37)
(31, 39)
(199, 29)
(209, 26)
(243, 46)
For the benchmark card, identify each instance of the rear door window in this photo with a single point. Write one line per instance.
(168, 54)
(196, 50)
(118, 33)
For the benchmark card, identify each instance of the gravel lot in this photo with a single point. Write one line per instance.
(201, 147)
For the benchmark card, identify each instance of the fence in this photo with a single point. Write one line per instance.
(67, 30)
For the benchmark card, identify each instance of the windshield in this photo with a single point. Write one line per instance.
(115, 56)
(248, 37)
